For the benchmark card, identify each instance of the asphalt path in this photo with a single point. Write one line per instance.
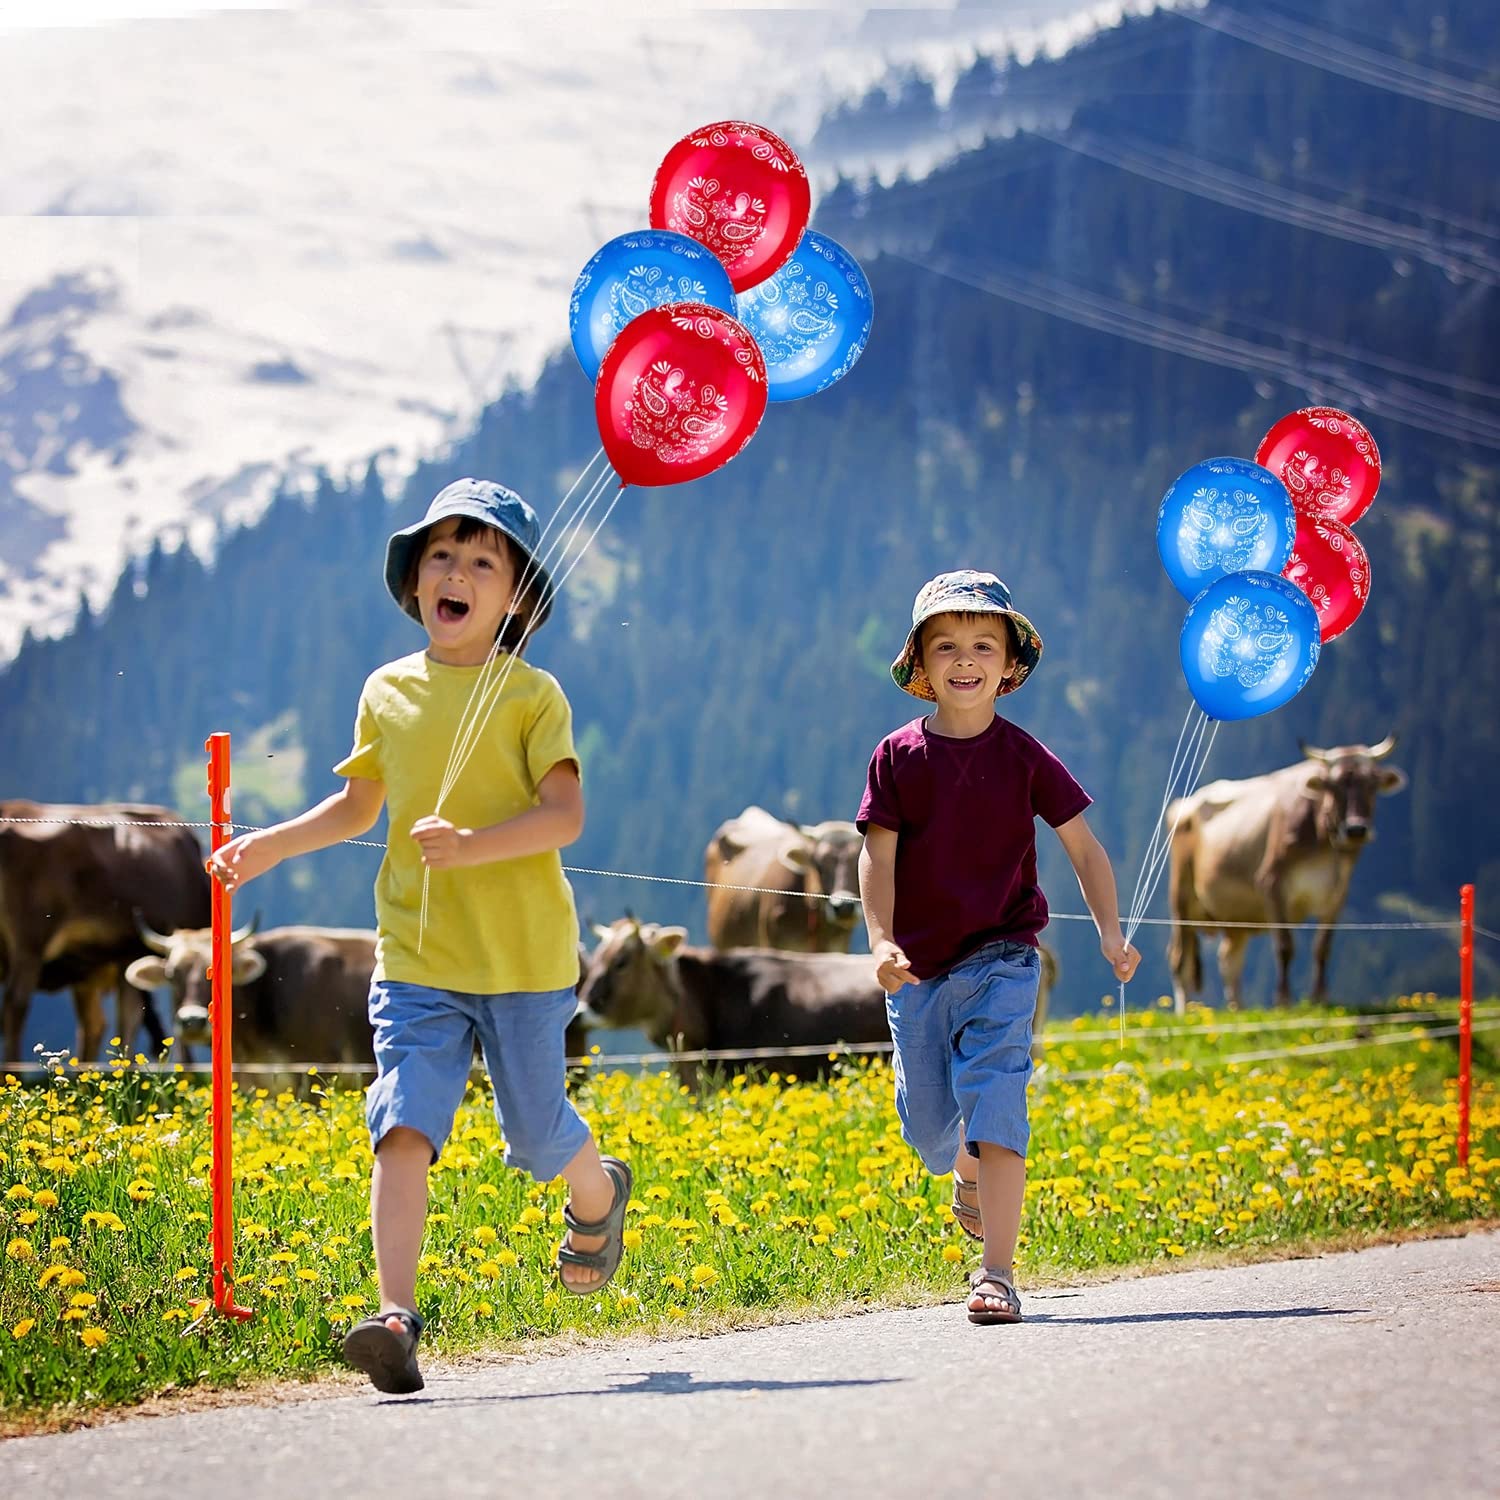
(1365, 1374)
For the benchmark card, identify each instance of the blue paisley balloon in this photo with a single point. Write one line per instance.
(1249, 644)
(1225, 515)
(811, 319)
(635, 272)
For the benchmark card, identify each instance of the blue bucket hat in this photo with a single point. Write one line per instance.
(480, 500)
(964, 593)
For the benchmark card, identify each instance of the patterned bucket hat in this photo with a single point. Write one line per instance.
(480, 500)
(964, 593)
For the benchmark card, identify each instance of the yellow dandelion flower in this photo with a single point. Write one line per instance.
(93, 1337)
(508, 1257)
(489, 1270)
(484, 1235)
(702, 1276)
(677, 1312)
(140, 1191)
(74, 1315)
(59, 1242)
(174, 1315)
(187, 1273)
(16, 1192)
(307, 1274)
(27, 1217)
(82, 1299)
(532, 1215)
(18, 1249)
(45, 1199)
(23, 1328)
(952, 1254)
(632, 1239)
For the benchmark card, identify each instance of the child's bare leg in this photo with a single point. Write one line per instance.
(398, 1213)
(1002, 1187)
(592, 1192)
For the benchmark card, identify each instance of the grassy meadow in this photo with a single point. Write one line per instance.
(760, 1195)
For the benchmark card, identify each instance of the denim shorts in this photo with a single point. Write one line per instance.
(424, 1049)
(963, 1054)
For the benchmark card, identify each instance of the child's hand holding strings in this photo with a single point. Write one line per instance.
(444, 847)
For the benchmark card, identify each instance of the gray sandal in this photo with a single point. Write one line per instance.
(387, 1357)
(606, 1258)
(965, 1212)
(1011, 1312)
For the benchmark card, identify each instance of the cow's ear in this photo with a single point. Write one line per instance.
(601, 931)
(246, 966)
(796, 856)
(1316, 783)
(146, 973)
(730, 848)
(1392, 779)
(667, 941)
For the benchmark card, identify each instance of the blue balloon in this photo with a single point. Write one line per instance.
(1225, 515)
(811, 319)
(633, 273)
(1249, 644)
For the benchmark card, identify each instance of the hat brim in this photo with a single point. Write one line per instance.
(404, 545)
(908, 673)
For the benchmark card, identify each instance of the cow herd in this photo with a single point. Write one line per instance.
(115, 897)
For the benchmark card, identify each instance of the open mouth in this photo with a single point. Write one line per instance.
(451, 610)
(965, 684)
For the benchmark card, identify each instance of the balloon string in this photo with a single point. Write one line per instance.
(491, 697)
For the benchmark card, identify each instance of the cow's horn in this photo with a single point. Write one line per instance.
(248, 930)
(1311, 752)
(150, 937)
(1384, 748)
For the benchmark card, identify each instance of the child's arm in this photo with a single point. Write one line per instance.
(349, 812)
(1097, 881)
(877, 890)
(554, 823)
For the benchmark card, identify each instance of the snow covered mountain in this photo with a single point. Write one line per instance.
(240, 246)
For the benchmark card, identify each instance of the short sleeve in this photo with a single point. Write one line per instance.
(1056, 797)
(880, 804)
(363, 760)
(549, 737)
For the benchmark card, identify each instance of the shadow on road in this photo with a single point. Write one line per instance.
(1228, 1315)
(653, 1383)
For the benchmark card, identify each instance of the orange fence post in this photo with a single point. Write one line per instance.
(1465, 1016)
(221, 1013)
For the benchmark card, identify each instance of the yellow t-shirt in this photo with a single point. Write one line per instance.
(491, 929)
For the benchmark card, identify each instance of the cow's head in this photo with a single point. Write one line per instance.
(631, 978)
(1345, 782)
(182, 961)
(827, 855)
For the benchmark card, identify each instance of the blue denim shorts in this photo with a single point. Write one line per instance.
(963, 1054)
(424, 1049)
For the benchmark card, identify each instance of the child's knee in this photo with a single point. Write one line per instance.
(403, 1142)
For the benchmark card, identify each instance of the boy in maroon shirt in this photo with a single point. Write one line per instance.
(949, 881)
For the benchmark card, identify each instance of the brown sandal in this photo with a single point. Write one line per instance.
(966, 1209)
(1010, 1313)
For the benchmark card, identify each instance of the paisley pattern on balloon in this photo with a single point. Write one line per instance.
(1224, 515)
(1249, 644)
(740, 191)
(1327, 460)
(633, 273)
(811, 319)
(1329, 564)
(680, 392)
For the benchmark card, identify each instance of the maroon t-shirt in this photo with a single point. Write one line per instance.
(966, 860)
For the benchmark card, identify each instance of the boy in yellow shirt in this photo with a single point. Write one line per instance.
(495, 955)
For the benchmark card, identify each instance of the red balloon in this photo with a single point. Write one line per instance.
(1328, 462)
(740, 191)
(1329, 564)
(681, 390)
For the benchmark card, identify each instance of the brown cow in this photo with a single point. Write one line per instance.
(688, 999)
(794, 868)
(300, 993)
(69, 891)
(1277, 848)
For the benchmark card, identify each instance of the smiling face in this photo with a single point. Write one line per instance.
(465, 586)
(967, 658)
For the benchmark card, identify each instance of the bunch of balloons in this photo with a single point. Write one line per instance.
(1265, 554)
(726, 302)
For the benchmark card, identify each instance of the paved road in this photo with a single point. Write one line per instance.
(1357, 1375)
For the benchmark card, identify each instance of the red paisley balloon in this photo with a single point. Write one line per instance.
(1330, 565)
(681, 390)
(1327, 460)
(740, 191)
